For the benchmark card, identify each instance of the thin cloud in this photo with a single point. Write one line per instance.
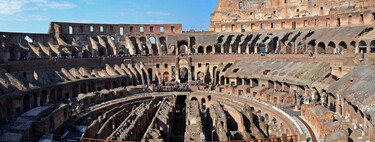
(160, 13)
(13, 7)
(157, 22)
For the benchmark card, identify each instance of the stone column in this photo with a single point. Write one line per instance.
(38, 101)
(230, 49)
(177, 69)
(189, 69)
(222, 49)
(247, 49)
(323, 98)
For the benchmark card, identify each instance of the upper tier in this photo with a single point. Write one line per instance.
(248, 15)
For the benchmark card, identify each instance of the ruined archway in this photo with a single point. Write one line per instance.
(153, 45)
(342, 48)
(182, 47)
(166, 76)
(200, 50)
(362, 47)
(183, 75)
(372, 46)
(331, 48)
(209, 49)
(311, 46)
(321, 48)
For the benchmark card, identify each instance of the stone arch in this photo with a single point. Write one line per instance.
(144, 47)
(372, 46)
(166, 76)
(135, 44)
(311, 45)
(154, 47)
(272, 45)
(203, 102)
(222, 80)
(331, 48)
(199, 76)
(209, 49)
(266, 117)
(150, 74)
(183, 74)
(215, 75)
(200, 50)
(362, 46)
(239, 81)
(182, 47)
(102, 51)
(163, 43)
(342, 47)
(193, 99)
(289, 48)
(321, 48)
(217, 48)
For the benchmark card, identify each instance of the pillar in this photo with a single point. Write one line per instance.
(38, 101)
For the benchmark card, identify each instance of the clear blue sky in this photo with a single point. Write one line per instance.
(34, 15)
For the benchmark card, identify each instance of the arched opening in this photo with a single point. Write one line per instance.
(209, 49)
(166, 77)
(203, 101)
(193, 99)
(102, 51)
(362, 47)
(150, 75)
(144, 47)
(182, 47)
(342, 48)
(200, 50)
(183, 75)
(311, 46)
(192, 41)
(163, 45)
(200, 76)
(75, 90)
(239, 81)
(289, 48)
(372, 46)
(217, 49)
(321, 48)
(222, 80)
(272, 46)
(135, 44)
(331, 48)
(153, 45)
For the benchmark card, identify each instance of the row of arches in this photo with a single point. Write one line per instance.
(56, 94)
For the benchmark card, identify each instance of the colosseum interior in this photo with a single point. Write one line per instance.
(266, 70)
